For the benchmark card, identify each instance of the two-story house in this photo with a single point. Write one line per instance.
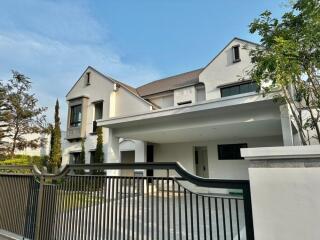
(200, 118)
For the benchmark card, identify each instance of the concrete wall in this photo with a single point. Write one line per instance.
(222, 70)
(224, 169)
(285, 192)
(127, 103)
(184, 95)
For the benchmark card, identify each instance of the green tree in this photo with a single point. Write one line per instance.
(55, 151)
(21, 115)
(82, 159)
(288, 62)
(99, 155)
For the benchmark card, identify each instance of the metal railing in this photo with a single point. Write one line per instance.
(97, 202)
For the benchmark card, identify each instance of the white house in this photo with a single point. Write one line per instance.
(200, 118)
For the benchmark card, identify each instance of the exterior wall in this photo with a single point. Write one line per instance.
(115, 104)
(41, 151)
(185, 94)
(127, 104)
(162, 100)
(224, 169)
(222, 70)
(200, 94)
(285, 191)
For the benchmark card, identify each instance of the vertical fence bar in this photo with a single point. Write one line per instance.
(248, 212)
(39, 209)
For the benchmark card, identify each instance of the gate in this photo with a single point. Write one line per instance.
(96, 202)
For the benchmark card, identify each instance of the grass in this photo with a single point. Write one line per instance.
(73, 200)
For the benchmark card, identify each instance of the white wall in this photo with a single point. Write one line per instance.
(285, 203)
(162, 100)
(224, 169)
(184, 94)
(128, 104)
(222, 70)
(101, 89)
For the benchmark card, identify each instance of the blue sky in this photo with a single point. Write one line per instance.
(52, 41)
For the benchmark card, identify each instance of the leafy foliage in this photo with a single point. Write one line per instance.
(55, 144)
(288, 60)
(99, 155)
(20, 114)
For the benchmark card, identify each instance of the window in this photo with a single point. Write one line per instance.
(185, 102)
(75, 115)
(98, 114)
(92, 156)
(75, 157)
(88, 79)
(230, 151)
(239, 89)
(236, 53)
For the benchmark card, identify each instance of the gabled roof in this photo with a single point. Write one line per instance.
(170, 83)
(235, 38)
(125, 86)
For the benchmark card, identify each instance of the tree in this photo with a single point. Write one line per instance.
(21, 115)
(99, 155)
(55, 150)
(4, 110)
(288, 61)
(82, 159)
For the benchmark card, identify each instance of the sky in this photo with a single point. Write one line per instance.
(53, 41)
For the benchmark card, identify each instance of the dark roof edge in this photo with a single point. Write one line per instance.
(169, 77)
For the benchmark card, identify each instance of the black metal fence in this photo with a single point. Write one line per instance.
(83, 203)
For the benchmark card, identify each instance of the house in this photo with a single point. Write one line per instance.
(200, 118)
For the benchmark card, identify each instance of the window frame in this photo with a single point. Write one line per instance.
(236, 51)
(73, 123)
(235, 156)
(251, 85)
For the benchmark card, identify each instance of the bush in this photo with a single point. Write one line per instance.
(22, 160)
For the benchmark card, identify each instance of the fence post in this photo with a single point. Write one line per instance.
(39, 209)
(248, 211)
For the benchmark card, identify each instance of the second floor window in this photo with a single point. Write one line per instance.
(239, 89)
(98, 114)
(236, 53)
(75, 115)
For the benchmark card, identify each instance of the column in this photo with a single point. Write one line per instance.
(286, 126)
(113, 151)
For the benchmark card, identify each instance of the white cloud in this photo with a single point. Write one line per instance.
(53, 53)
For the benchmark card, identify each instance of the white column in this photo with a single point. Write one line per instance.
(113, 151)
(140, 154)
(286, 126)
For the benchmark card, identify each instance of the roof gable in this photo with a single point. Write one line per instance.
(229, 43)
(128, 88)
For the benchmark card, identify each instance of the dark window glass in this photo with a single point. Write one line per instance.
(230, 151)
(239, 89)
(75, 157)
(92, 156)
(88, 78)
(75, 116)
(185, 102)
(236, 53)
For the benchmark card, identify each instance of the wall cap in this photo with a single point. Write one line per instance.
(287, 152)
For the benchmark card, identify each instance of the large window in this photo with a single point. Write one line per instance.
(230, 151)
(75, 115)
(239, 89)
